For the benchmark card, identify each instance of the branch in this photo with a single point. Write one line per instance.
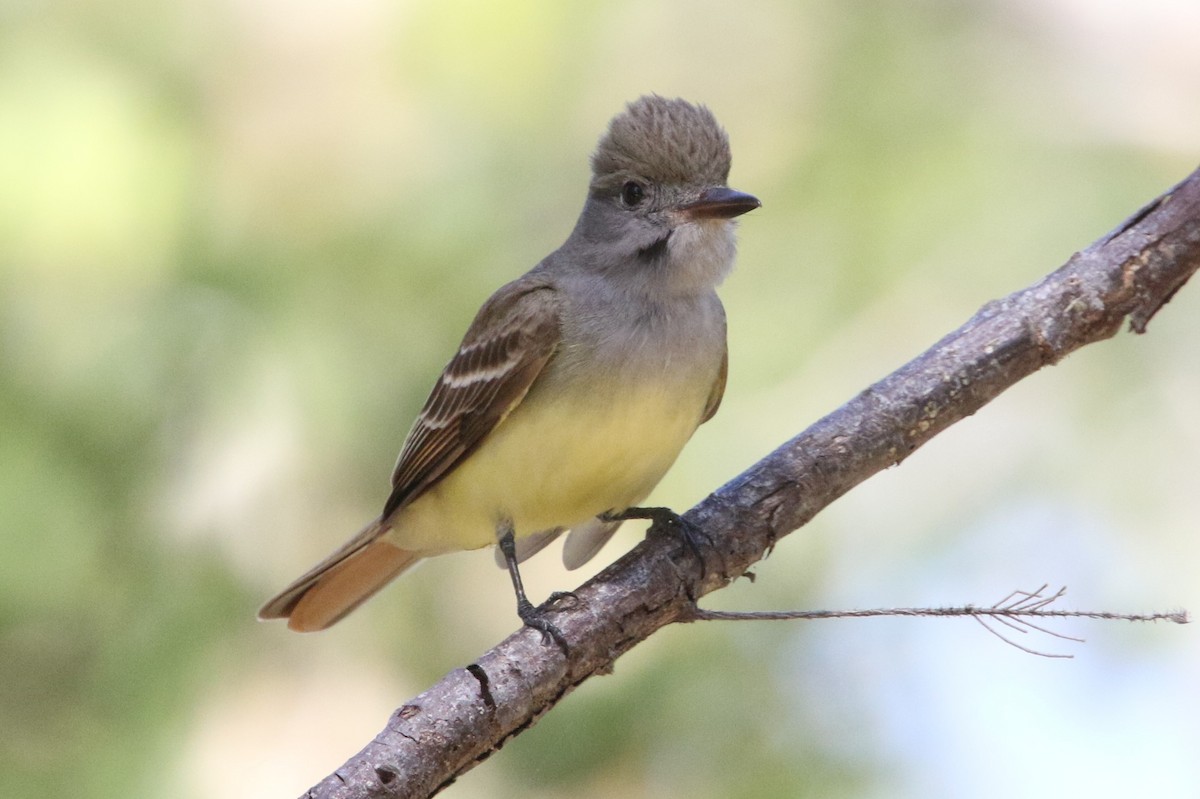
(1130, 273)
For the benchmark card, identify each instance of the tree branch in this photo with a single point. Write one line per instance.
(1130, 273)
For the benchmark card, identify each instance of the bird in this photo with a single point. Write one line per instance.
(577, 384)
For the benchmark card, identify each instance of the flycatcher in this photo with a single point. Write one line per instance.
(576, 386)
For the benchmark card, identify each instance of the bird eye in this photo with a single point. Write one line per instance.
(632, 193)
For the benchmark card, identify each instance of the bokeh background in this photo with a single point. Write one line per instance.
(238, 240)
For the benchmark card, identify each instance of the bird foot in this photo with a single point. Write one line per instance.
(536, 618)
(666, 522)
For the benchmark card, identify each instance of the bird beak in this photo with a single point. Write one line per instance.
(720, 202)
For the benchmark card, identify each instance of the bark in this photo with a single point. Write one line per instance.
(1129, 274)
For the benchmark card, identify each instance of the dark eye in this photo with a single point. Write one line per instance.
(632, 193)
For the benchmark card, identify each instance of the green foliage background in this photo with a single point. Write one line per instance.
(239, 239)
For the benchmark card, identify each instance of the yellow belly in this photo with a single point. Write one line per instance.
(553, 465)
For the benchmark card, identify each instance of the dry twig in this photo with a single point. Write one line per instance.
(1014, 611)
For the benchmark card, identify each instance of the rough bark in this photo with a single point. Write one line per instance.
(1129, 274)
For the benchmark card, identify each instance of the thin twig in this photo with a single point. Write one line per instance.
(1013, 611)
(1025, 649)
(700, 614)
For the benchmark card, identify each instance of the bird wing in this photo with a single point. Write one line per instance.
(511, 340)
(584, 541)
(718, 388)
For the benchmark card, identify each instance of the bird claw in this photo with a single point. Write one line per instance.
(535, 618)
(561, 600)
(666, 522)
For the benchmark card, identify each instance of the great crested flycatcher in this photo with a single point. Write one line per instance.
(576, 386)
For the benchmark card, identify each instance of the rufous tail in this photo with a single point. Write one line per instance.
(340, 583)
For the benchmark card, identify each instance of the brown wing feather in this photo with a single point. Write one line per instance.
(512, 338)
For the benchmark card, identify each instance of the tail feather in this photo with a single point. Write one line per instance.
(340, 583)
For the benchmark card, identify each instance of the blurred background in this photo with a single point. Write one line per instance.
(239, 239)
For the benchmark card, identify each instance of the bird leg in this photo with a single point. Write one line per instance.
(666, 522)
(531, 616)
